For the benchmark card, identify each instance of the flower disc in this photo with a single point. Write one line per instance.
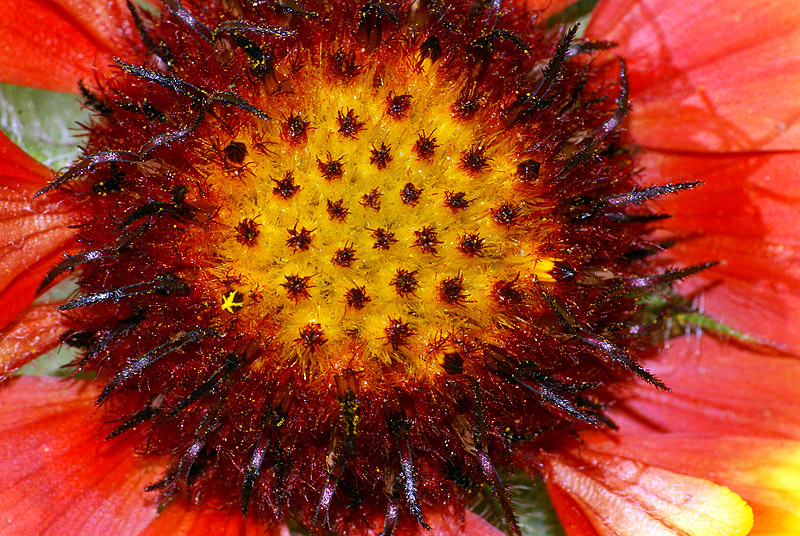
(342, 260)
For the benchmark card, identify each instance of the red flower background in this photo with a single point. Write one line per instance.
(714, 92)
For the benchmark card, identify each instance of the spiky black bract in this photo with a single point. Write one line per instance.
(342, 257)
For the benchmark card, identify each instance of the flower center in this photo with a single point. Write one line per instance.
(380, 216)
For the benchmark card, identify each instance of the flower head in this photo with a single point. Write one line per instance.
(342, 263)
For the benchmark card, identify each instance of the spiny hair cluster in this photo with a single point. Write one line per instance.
(345, 260)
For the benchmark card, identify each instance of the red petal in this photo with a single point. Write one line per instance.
(744, 215)
(622, 497)
(442, 522)
(33, 333)
(709, 75)
(182, 519)
(57, 477)
(717, 388)
(35, 233)
(50, 44)
(548, 7)
(17, 169)
(765, 472)
(445, 524)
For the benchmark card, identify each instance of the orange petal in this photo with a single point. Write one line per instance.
(765, 472)
(33, 333)
(623, 497)
(744, 215)
(709, 75)
(572, 519)
(51, 44)
(181, 519)
(717, 388)
(57, 477)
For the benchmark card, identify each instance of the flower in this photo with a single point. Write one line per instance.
(609, 483)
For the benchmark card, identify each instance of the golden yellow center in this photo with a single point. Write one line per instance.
(371, 220)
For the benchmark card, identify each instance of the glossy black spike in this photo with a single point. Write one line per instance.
(498, 490)
(75, 338)
(159, 48)
(162, 483)
(483, 47)
(597, 341)
(226, 97)
(136, 419)
(165, 80)
(639, 196)
(185, 467)
(217, 377)
(91, 101)
(152, 113)
(589, 47)
(110, 337)
(175, 7)
(549, 395)
(162, 284)
(431, 49)
(409, 483)
(566, 318)
(173, 345)
(322, 512)
(88, 163)
(550, 73)
(290, 7)
(260, 62)
(173, 136)
(145, 108)
(252, 470)
(391, 517)
(487, 468)
(177, 208)
(636, 218)
(269, 421)
(399, 427)
(620, 356)
(600, 133)
(238, 27)
(182, 87)
(642, 253)
(549, 390)
(667, 277)
(72, 261)
(371, 20)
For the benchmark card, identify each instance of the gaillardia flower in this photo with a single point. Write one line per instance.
(344, 264)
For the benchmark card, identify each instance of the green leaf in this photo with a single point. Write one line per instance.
(43, 123)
